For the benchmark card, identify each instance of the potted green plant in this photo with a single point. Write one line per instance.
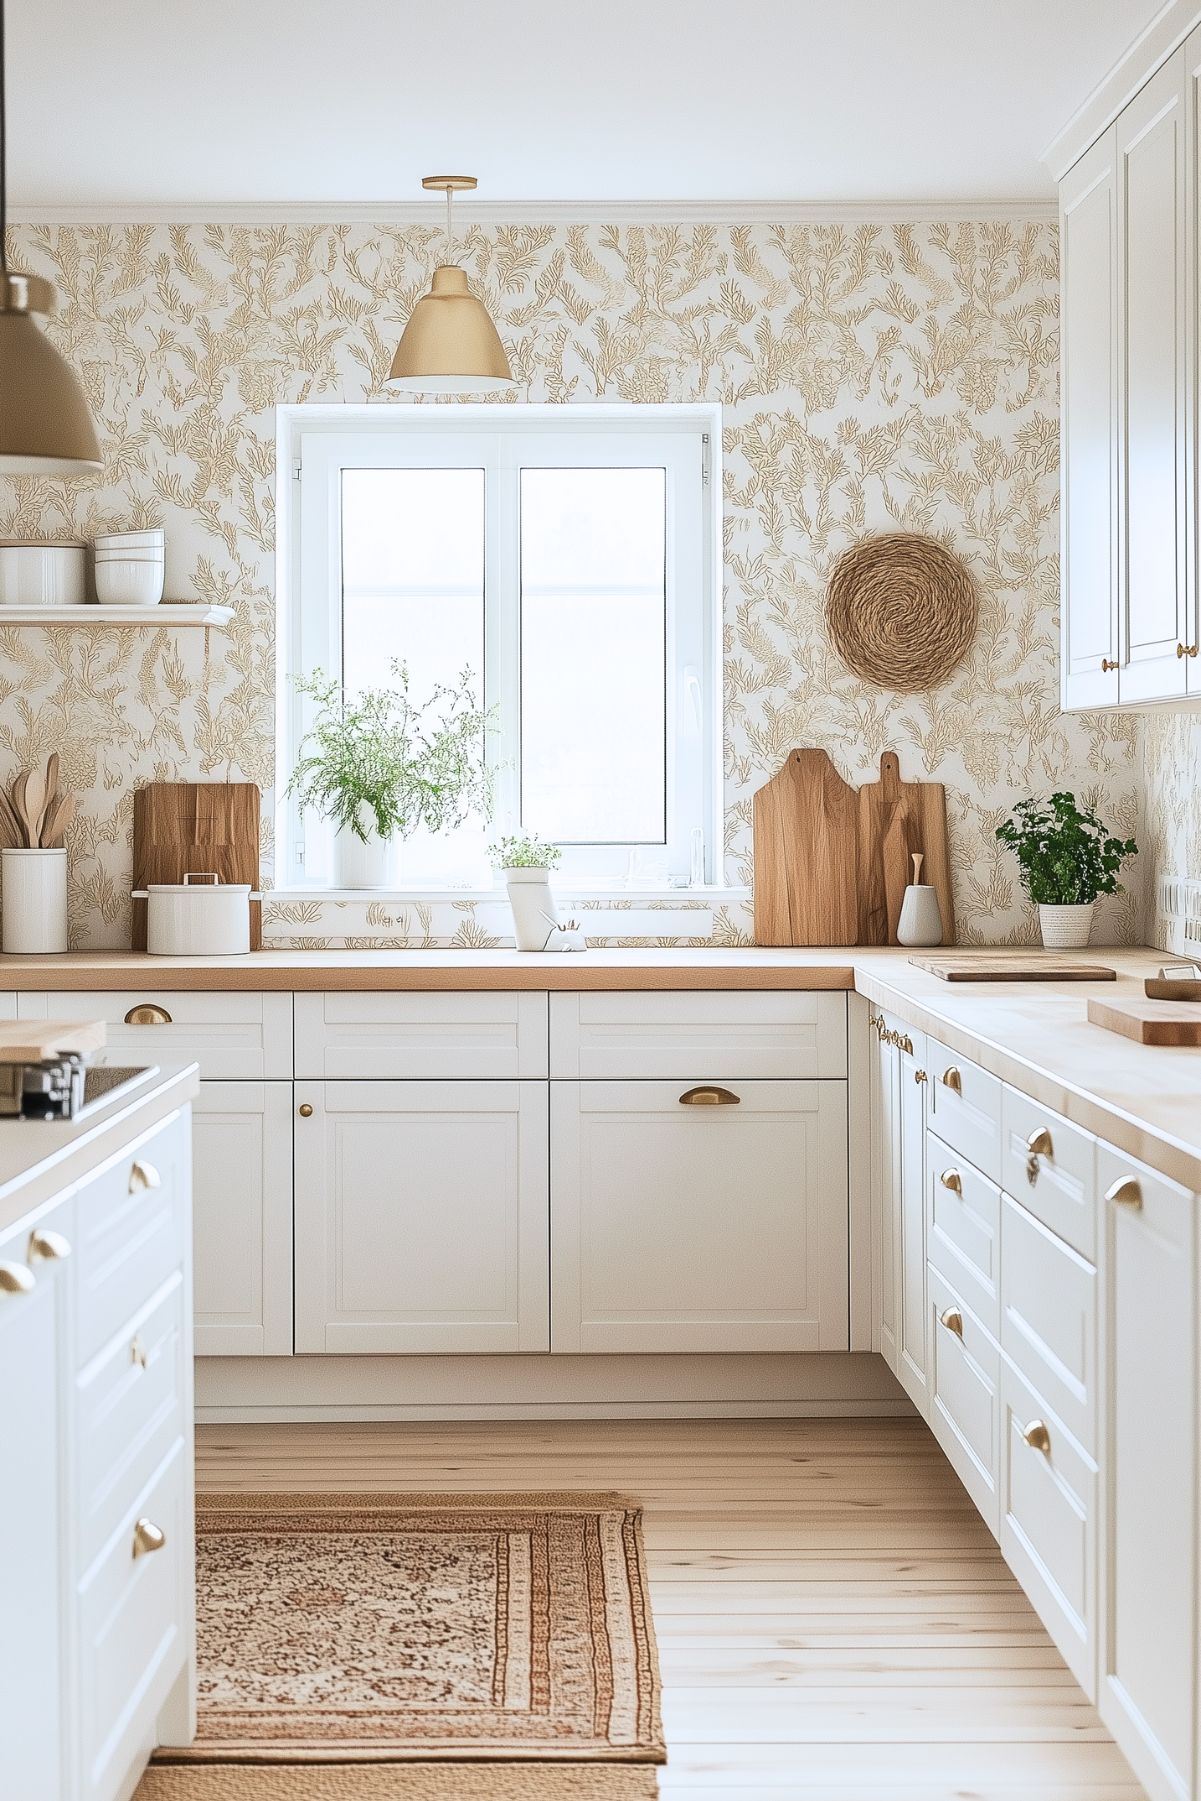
(525, 862)
(1067, 858)
(378, 766)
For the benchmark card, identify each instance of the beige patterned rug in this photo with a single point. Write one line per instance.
(434, 1631)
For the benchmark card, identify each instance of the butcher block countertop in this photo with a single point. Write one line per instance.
(1146, 1100)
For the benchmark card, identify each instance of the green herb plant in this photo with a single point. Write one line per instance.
(1066, 855)
(524, 853)
(379, 753)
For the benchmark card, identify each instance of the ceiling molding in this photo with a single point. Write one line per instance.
(536, 212)
(1153, 45)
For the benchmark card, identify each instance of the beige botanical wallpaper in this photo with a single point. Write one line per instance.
(1172, 781)
(873, 376)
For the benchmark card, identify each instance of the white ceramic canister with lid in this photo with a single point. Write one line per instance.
(202, 916)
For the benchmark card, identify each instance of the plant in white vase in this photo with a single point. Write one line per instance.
(1067, 858)
(526, 863)
(378, 766)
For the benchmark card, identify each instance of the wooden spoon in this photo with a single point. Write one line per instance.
(34, 806)
(51, 797)
(24, 812)
(11, 828)
(56, 819)
(919, 858)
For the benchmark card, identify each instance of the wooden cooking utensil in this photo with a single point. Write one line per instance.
(11, 829)
(52, 768)
(24, 809)
(57, 817)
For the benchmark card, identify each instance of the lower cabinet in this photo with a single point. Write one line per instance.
(898, 1125)
(709, 1218)
(964, 1395)
(421, 1216)
(242, 1232)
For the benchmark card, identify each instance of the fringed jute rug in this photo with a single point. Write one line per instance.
(358, 1647)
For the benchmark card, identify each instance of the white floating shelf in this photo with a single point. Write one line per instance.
(169, 612)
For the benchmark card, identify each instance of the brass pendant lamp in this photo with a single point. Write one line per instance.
(45, 426)
(450, 345)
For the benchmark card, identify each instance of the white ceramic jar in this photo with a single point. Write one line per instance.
(201, 916)
(535, 921)
(368, 862)
(41, 575)
(34, 900)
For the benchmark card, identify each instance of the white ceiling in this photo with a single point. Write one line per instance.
(193, 105)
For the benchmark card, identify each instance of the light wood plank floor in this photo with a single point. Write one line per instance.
(833, 1617)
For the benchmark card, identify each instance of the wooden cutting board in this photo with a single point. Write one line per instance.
(1013, 966)
(33, 1040)
(896, 819)
(806, 845)
(1148, 1022)
(181, 828)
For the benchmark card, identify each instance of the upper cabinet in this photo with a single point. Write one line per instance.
(1129, 248)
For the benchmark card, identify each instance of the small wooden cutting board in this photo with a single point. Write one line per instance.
(806, 830)
(896, 819)
(1148, 1022)
(1015, 966)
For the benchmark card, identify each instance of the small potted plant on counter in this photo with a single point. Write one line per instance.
(526, 863)
(1067, 859)
(378, 766)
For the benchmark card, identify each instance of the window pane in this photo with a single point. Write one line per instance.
(412, 576)
(593, 625)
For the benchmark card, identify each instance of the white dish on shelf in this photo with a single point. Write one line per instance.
(117, 541)
(41, 575)
(125, 583)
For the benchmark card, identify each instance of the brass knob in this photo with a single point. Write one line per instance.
(304, 1110)
(906, 1044)
(147, 1537)
(137, 1352)
(919, 1075)
(951, 1178)
(952, 1319)
(703, 1097)
(1038, 1438)
(952, 1079)
(16, 1279)
(143, 1175)
(1126, 1192)
(1193, 649)
(52, 1247)
(1182, 650)
(1039, 1143)
(147, 1013)
(1106, 665)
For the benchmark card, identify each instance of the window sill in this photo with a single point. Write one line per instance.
(709, 896)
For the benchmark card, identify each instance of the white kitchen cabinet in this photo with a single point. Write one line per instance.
(421, 1216)
(679, 1223)
(885, 1163)
(242, 1219)
(235, 1035)
(759, 1034)
(899, 1207)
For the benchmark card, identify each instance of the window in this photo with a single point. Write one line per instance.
(565, 556)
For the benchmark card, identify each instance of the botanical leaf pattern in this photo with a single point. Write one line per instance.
(873, 376)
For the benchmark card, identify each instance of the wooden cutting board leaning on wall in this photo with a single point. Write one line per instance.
(184, 828)
(896, 819)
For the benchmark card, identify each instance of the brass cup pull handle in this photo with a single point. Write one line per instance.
(1039, 1143)
(707, 1096)
(143, 1176)
(1126, 1191)
(1037, 1437)
(952, 1319)
(147, 1537)
(16, 1279)
(148, 1014)
(138, 1353)
(951, 1178)
(952, 1079)
(51, 1247)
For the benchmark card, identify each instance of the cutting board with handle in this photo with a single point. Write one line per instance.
(1148, 1022)
(806, 843)
(897, 818)
(186, 828)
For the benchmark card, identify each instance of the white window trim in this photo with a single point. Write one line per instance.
(322, 439)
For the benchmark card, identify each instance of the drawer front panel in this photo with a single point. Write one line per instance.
(130, 1222)
(963, 1229)
(965, 1108)
(420, 1037)
(1048, 1514)
(692, 1036)
(1048, 1318)
(1050, 1167)
(128, 1416)
(235, 1037)
(965, 1377)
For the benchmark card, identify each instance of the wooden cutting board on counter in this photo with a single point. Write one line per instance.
(33, 1040)
(185, 828)
(1148, 1022)
(1014, 966)
(896, 819)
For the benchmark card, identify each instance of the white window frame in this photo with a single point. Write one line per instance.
(316, 442)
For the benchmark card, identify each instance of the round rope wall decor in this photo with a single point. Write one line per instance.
(901, 611)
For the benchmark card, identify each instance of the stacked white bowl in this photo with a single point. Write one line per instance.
(130, 568)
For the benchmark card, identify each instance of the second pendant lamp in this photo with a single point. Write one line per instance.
(450, 345)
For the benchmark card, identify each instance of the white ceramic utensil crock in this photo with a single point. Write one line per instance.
(34, 900)
(201, 916)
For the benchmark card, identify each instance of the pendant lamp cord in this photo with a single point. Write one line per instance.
(450, 230)
(3, 160)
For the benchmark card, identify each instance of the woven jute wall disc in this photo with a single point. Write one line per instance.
(901, 611)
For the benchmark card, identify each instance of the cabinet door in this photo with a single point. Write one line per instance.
(33, 1383)
(1152, 299)
(684, 1227)
(886, 1193)
(421, 1216)
(913, 1327)
(1149, 1494)
(1089, 376)
(242, 1219)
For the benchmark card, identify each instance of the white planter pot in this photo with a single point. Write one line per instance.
(533, 904)
(198, 917)
(371, 864)
(34, 900)
(1066, 928)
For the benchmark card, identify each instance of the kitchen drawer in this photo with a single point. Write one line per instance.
(420, 1037)
(1048, 1318)
(965, 1108)
(131, 1222)
(1050, 1166)
(132, 1628)
(963, 1229)
(128, 1415)
(689, 1037)
(1048, 1515)
(965, 1402)
(237, 1036)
